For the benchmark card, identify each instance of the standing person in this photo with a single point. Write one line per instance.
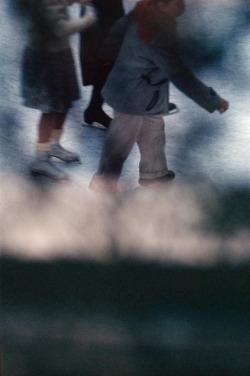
(93, 71)
(49, 81)
(137, 89)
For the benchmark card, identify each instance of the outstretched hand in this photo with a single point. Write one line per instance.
(89, 14)
(223, 106)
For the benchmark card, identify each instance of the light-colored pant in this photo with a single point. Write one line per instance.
(124, 131)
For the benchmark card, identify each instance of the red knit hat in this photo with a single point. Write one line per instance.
(145, 15)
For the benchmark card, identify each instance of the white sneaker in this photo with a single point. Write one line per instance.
(65, 155)
(41, 166)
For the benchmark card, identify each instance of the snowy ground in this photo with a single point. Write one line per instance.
(199, 145)
(204, 149)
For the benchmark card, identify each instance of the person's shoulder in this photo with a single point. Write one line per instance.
(167, 37)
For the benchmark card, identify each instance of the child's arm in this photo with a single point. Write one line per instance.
(182, 77)
(56, 16)
(66, 27)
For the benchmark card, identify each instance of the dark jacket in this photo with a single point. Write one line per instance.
(139, 81)
(108, 12)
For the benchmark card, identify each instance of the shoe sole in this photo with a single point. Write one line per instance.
(38, 174)
(149, 183)
(64, 160)
(95, 125)
(175, 111)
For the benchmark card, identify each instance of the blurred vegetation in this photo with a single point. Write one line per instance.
(231, 214)
(128, 286)
(179, 321)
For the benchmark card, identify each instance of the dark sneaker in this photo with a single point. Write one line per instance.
(98, 119)
(162, 180)
(172, 109)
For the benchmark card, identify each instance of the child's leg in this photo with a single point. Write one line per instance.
(120, 139)
(45, 128)
(41, 164)
(48, 124)
(58, 120)
(151, 142)
(94, 112)
(122, 135)
(56, 148)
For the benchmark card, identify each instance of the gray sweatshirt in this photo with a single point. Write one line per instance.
(139, 81)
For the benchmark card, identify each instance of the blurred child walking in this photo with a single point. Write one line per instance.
(49, 81)
(137, 89)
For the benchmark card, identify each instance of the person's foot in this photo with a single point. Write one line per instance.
(162, 180)
(65, 155)
(172, 109)
(47, 169)
(103, 185)
(97, 118)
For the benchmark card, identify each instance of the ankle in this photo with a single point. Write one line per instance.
(56, 135)
(42, 151)
(43, 146)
